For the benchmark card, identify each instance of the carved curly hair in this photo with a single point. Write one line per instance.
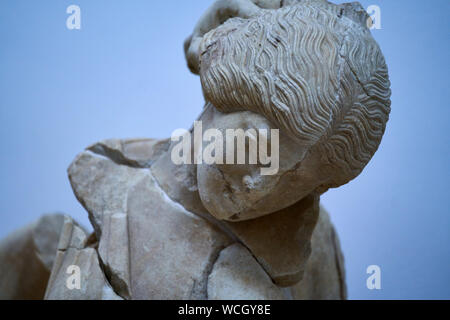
(314, 71)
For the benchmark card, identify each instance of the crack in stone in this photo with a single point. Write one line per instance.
(339, 267)
(117, 156)
(107, 273)
(200, 289)
(100, 264)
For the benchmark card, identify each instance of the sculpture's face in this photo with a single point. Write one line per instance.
(285, 70)
(241, 191)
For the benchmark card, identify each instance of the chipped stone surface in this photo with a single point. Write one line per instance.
(179, 182)
(325, 88)
(324, 277)
(139, 153)
(150, 246)
(224, 231)
(27, 257)
(282, 241)
(171, 250)
(153, 248)
(73, 250)
(238, 276)
(218, 13)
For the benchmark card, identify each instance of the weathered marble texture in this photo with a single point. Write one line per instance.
(309, 68)
(151, 247)
(217, 14)
(237, 274)
(27, 257)
(75, 248)
(324, 277)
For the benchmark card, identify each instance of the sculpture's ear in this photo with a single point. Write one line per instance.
(355, 12)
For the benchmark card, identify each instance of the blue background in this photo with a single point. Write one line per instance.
(124, 75)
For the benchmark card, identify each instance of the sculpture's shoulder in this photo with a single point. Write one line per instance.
(77, 272)
(150, 246)
(26, 258)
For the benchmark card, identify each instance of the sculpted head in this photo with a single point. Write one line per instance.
(311, 70)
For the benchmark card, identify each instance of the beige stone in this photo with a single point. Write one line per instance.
(27, 257)
(151, 247)
(143, 233)
(238, 276)
(281, 242)
(314, 72)
(241, 192)
(139, 153)
(74, 250)
(324, 277)
(307, 68)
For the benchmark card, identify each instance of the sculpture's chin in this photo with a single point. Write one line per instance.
(232, 195)
(217, 194)
(239, 193)
(230, 209)
(224, 209)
